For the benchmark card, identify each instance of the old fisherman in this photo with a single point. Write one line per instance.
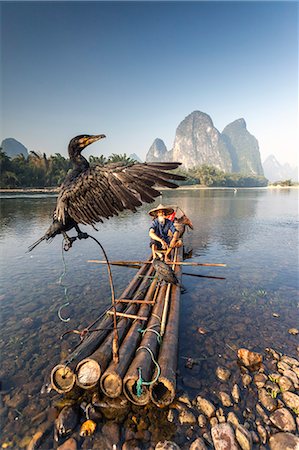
(162, 232)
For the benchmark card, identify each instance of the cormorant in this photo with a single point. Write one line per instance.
(165, 272)
(89, 194)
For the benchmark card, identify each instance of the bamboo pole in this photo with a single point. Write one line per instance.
(89, 370)
(62, 375)
(166, 301)
(112, 379)
(142, 363)
(138, 263)
(162, 392)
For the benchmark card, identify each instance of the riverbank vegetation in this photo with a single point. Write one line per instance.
(39, 171)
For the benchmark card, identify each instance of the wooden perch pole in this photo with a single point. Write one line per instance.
(139, 263)
(166, 301)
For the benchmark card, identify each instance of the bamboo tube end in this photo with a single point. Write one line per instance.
(88, 373)
(162, 392)
(130, 391)
(62, 378)
(111, 385)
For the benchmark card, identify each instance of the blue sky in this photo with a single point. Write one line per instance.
(134, 70)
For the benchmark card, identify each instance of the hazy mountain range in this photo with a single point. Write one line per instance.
(198, 142)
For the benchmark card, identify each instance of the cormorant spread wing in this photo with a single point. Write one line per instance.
(103, 191)
(89, 194)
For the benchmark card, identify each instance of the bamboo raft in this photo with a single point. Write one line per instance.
(146, 316)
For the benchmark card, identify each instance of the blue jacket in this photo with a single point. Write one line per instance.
(161, 230)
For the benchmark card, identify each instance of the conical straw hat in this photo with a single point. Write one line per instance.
(167, 209)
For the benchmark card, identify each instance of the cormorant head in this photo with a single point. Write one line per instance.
(78, 143)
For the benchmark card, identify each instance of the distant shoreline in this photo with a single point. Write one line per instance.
(192, 187)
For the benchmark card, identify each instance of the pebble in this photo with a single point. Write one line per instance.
(225, 399)
(262, 413)
(246, 379)
(262, 433)
(167, 445)
(292, 376)
(170, 416)
(285, 384)
(290, 361)
(291, 400)
(266, 400)
(206, 406)
(236, 393)
(198, 444)
(185, 399)
(223, 437)
(243, 437)
(233, 419)
(260, 380)
(202, 421)
(249, 358)
(282, 366)
(285, 441)
(293, 331)
(70, 444)
(222, 373)
(202, 330)
(111, 430)
(283, 419)
(213, 421)
(186, 417)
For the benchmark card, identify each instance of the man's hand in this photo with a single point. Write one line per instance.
(164, 245)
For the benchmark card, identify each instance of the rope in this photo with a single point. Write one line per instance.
(65, 289)
(157, 317)
(140, 381)
(159, 337)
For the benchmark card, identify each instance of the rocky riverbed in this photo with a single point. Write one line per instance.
(254, 407)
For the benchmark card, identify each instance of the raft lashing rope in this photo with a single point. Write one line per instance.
(140, 382)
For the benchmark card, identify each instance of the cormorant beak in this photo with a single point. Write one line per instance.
(87, 141)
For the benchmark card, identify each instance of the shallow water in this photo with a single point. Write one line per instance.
(253, 231)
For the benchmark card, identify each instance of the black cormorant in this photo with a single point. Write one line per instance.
(89, 194)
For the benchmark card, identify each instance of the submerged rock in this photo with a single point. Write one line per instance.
(206, 406)
(260, 380)
(249, 358)
(186, 417)
(284, 441)
(202, 421)
(167, 445)
(246, 379)
(266, 400)
(285, 384)
(198, 444)
(293, 331)
(223, 437)
(283, 419)
(244, 438)
(291, 400)
(70, 444)
(290, 361)
(222, 373)
(225, 399)
(236, 393)
(233, 419)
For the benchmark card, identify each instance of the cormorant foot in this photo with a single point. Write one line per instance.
(82, 235)
(68, 243)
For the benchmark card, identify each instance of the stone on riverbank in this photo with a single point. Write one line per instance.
(283, 419)
(223, 437)
(284, 441)
(291, 400)
(244, 438)
(225, 399)
(167, 445)
(206, 406)
(198, 444)
(266, 400)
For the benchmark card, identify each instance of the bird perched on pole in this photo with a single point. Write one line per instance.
(165, 272)
(90, 194)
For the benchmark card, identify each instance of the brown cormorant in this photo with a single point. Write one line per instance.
(89, 194)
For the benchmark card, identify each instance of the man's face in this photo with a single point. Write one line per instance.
(161, 217)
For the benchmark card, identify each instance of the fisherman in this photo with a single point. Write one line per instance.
(162, 232)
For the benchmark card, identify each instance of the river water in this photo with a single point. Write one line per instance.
(253, 231)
